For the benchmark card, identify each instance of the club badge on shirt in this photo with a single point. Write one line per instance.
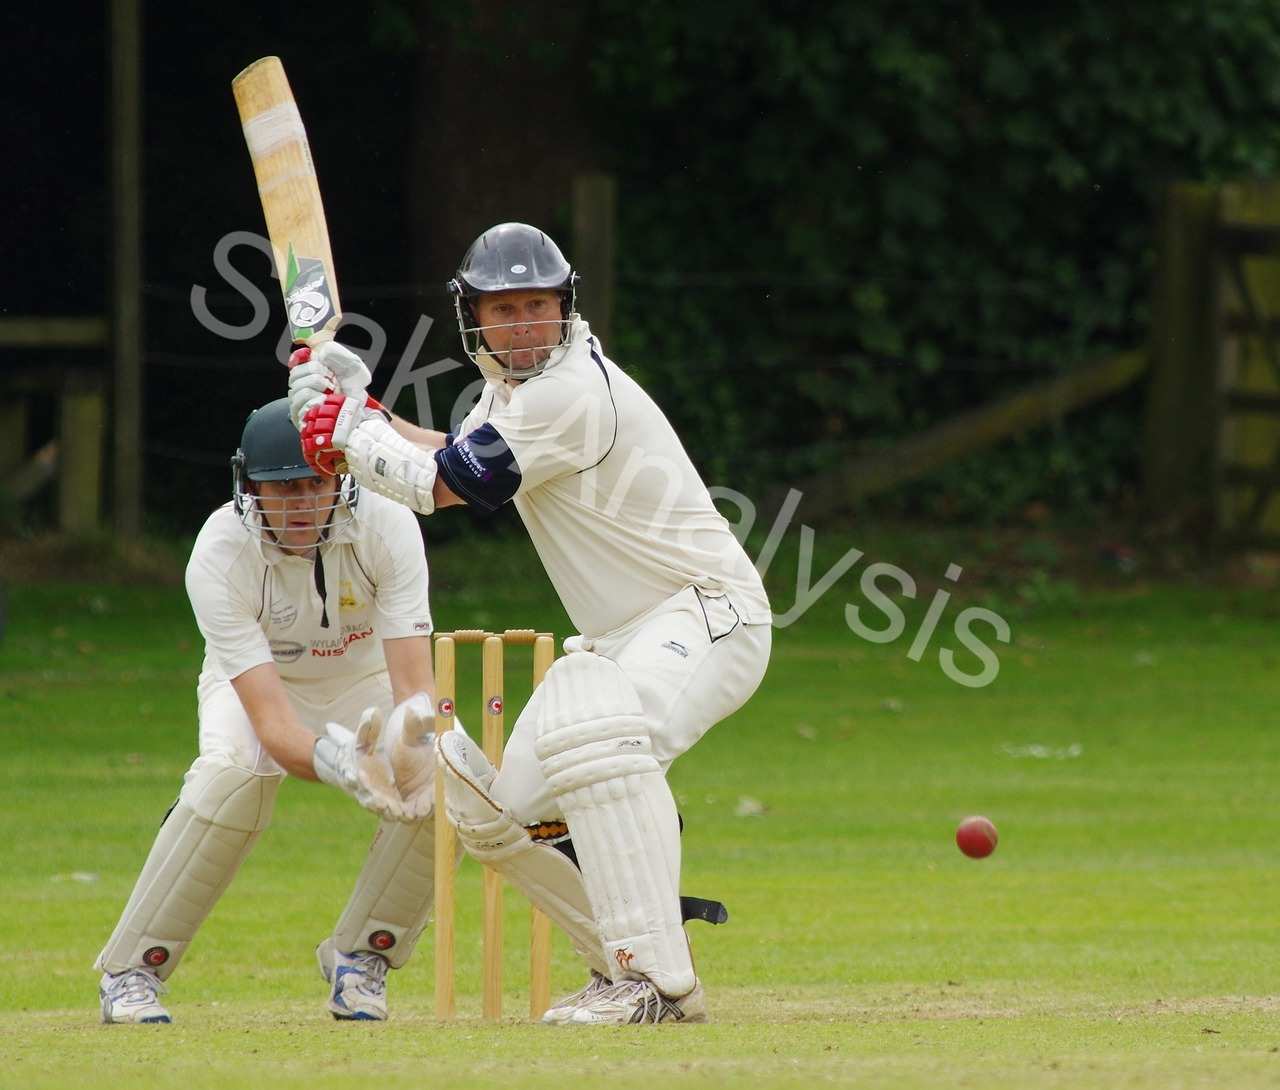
(283, 613)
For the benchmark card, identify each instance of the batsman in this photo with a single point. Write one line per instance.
(312, 599)
(673, 621)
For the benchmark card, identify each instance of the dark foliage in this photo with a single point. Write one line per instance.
(843, 222)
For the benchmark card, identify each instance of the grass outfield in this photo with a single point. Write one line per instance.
(1124, 933)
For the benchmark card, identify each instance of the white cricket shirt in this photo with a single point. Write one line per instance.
(615, 509)
(256, 604)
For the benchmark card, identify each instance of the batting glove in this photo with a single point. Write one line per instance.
(328, 425)
(329, 368)
(350, 760)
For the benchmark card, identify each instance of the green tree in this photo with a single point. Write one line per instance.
(840, 222)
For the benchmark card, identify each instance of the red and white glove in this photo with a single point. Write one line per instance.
(329, 368)
(328, 425)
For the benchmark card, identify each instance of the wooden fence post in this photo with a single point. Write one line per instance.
(1179, 434)
(126, 159)
(595, 202)
(81, 420)
(1247, 406)
(13, 432)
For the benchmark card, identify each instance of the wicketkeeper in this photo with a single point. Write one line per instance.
(312, 599)
(674, 622)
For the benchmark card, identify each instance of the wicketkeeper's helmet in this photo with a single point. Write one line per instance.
(271, 450)
(270, 447)
(511, 257)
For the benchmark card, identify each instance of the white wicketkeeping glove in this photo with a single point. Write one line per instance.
(351, 760)
(409, 742)
(327, 368)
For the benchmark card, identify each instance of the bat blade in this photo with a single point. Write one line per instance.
(290, 197)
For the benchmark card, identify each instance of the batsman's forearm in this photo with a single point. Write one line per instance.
(423, 437)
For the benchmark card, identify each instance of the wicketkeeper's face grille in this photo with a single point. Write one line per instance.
(297, 514)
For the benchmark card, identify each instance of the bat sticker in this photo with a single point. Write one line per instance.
(307, 299)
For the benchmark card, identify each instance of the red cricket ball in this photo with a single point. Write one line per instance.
(976, 837)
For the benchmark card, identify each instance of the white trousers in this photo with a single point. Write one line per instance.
(691, 661)
(393, 892)
(205, 839)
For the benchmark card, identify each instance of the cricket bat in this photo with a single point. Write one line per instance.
(290, 200)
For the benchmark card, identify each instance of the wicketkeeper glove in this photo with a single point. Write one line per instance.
(409, 741)
(350, 760)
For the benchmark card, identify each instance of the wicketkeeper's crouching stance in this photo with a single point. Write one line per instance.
(312, 599)
(674, 622)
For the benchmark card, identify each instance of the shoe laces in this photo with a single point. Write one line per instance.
(371, 969)
(649, 1005)
(593, 988)
(622, 992)
(135, 986)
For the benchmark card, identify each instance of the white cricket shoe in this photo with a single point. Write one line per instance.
(131, 996)
(563, 1009)
(357, 983)
(637, 1002)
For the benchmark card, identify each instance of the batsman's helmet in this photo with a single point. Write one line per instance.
(510, 257)
(271, 450)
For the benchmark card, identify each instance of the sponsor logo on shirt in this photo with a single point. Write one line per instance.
(286, 651)
(422, 626)
(324, 649)
(678, 648)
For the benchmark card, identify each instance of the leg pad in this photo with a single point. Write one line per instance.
(546, 877)
(219, 815)
(595, 750)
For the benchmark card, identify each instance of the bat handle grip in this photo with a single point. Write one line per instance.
(302, 350)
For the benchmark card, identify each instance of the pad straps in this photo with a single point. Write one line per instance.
(698, 908)
(691, 908)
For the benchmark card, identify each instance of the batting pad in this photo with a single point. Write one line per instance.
(543, 874)
(382, 460)
(391, 903)
(594, 748)
(219, 815)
